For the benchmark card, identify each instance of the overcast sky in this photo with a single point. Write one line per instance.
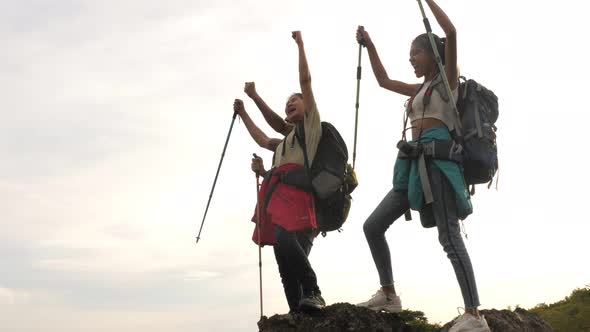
(114, 116)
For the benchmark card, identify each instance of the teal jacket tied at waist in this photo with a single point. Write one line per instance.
(407, 179)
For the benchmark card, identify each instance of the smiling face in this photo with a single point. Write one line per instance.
(422, 56)
(422, 60)
(295, 109)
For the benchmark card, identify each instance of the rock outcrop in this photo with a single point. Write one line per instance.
(346, 317)
(518, 320)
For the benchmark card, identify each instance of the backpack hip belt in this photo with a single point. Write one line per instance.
(297, 178)
(435, 149)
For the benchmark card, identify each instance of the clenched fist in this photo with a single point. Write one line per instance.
(362, 36)
(250, 89)
(257, 165)
(297, 36)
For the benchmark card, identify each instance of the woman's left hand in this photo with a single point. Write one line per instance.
(257, 165)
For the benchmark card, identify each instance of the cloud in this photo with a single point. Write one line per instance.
(200, 275)
(113, 277)
(12, 297)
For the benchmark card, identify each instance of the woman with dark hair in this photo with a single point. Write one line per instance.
(449, 200)
(287, 215)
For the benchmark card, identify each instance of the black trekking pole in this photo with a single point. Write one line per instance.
(217, 174)
(439, 63)
(358, 88)
(259, 246)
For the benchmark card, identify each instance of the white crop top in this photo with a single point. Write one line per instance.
(437, 108)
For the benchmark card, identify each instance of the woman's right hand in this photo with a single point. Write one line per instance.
(250, 89)
(362, 36)
(296, 35)
(257, 165)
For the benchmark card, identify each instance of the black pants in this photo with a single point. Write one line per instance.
(297, 275)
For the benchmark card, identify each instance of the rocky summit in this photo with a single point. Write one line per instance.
(519, 320)
(347, 317)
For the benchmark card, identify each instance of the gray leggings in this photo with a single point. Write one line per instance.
(443, 213)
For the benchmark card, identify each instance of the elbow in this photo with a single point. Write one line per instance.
(305, 80)
(451, 32)
(265, 143)
(382, 81)
(261, 140)
(382, 78)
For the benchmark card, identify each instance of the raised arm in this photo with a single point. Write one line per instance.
(451, 43)
(258, 135)
(304, 76)
(275, 121)
(383, 79)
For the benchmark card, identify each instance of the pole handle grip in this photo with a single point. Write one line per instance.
(362, 41)
(257, 157)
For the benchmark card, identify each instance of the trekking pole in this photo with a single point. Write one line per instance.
(441, 68)
(259, 246)
(356, 116)
(217, 174)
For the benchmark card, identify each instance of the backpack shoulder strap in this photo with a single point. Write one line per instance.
(438, 86)
(463, 87)
(300, 135)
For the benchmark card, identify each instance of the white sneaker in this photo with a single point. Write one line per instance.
(469, 323)
(382, 301)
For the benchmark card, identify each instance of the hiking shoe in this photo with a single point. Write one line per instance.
(311, 302)
(383, 301)
(469, 323)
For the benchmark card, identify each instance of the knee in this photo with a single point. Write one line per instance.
(449, 250)
(370, 228)
(452, 245)
(445, 242)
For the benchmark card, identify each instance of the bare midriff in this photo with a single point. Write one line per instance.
(423, 124)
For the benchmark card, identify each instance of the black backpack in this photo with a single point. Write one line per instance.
(332, 178)
(478, 110)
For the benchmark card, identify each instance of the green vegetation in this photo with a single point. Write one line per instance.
(570, 314)
(417, 320)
